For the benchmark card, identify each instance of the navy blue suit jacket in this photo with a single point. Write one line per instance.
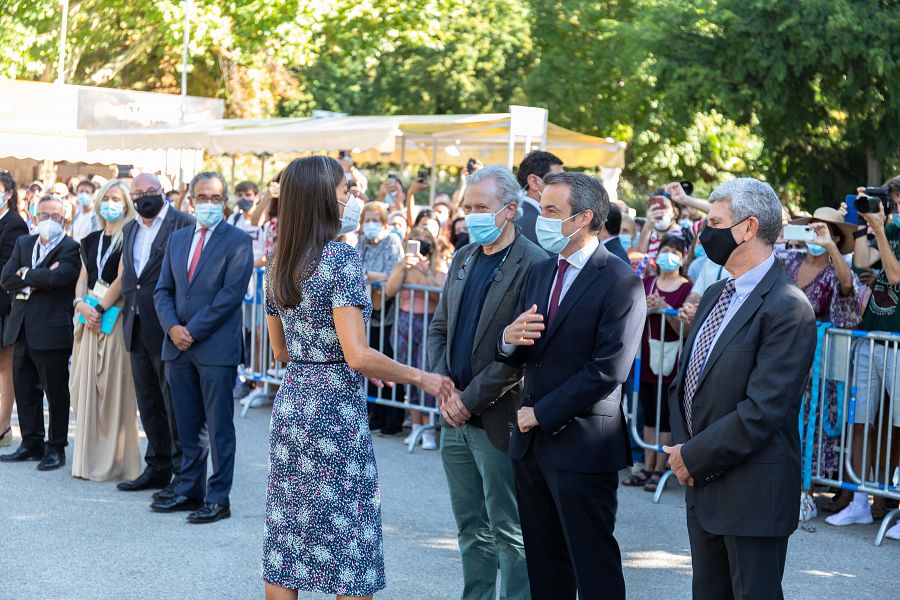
(575, 371)
(210, 305)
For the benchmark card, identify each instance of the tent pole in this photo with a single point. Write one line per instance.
(431, 191)
(512, 148)
(232, 171)
(262, 170)
(527, 144)
(61, 61)
(402, 155)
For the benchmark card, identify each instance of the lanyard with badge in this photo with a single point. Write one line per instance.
(37, 260)
(101, 287)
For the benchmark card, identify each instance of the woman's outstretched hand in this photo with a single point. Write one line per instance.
(438, 386)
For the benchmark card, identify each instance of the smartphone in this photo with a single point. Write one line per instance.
(852, 214)
(424, 175)
(658, 204)
(413, 247)
(798, 233)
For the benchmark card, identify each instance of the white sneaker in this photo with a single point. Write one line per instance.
(893, 532)
(429, 441)
(854, 513)
(808, 510)
(412, 435)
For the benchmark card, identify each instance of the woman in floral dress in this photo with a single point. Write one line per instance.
(323, 513)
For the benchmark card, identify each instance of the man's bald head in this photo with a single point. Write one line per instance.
(146, 182)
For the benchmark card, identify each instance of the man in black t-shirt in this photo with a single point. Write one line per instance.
(480, 297)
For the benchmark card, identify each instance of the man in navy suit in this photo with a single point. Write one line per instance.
(198, 299)
(571, 438)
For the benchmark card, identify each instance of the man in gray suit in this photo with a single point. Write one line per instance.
(480, 297)
(735, 402)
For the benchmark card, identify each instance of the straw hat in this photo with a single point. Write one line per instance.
(835, 221)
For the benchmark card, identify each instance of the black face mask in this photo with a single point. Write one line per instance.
(245, 204)
(425, 248)
(460, 240)
(149, 206)
(719, 243)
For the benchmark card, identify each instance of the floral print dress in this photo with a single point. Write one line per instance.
(323, 505)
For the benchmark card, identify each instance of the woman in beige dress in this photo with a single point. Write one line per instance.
(106, 433)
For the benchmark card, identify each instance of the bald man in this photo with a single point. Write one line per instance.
(145, 243)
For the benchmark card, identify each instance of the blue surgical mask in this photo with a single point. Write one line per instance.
(208, 214)
(625, 240)
(895, 219)
(686, 223)
(483, 227)
(549, 233)
(699, 252)
(111, 211)
(84, 199)
(668, 262)
(397, 232)
(815, 249)
(372, 230)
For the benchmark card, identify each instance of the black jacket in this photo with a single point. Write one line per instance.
(47, 314)
(12, 227)
(615, 247)
(528, 220)
(575, 371)
(744, 455)
(137, 292)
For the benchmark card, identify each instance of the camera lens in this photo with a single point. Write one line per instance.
(865, 204)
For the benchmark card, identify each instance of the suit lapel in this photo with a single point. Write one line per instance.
(583, 281)
(496, 292)
(209, 246)
(740, 318)
(128, 247)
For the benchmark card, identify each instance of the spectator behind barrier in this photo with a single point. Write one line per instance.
(85, 219)
(609, 234)
(398, 225)
(872, 366)
(660, 348)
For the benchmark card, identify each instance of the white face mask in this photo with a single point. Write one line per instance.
(350, 216)
(663, 224)
(48, 230)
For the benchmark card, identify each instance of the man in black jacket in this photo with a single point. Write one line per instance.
(531, 173)
(145, 240)
(42, 273)
(735, 402)
(571, 440)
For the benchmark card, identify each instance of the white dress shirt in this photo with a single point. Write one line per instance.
(196, 240)
(143, 240)
(743, 287)
(577, 261)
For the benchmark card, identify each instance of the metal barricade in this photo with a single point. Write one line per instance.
(408, 345)
(263, 370)
(661, 392)
(853, 372)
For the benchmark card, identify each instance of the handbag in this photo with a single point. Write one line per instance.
(662, 354)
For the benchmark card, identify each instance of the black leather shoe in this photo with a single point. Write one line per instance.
(209, 513)
(167, 493)
(23, 454)
(176, 504)
(147, 481)
(53, 459)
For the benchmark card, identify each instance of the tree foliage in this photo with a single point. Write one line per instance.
(797, 91)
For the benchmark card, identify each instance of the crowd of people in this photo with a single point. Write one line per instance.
(135, 291)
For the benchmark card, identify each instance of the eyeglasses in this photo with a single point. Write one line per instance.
(51, 217)
(204, 199)
(139, 195)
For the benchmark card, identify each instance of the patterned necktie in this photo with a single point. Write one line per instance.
(702, 345)
(557, 290)
(195, 259)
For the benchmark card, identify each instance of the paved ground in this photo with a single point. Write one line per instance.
(66, 539)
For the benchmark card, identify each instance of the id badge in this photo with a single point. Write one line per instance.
(99, 290)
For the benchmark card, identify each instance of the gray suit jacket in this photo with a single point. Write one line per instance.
(744, 455)
(495, 389)
(527, 222)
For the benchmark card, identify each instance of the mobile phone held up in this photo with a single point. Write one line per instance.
(413, 247)
(798, 233)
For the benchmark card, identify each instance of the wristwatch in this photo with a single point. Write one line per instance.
(76, 301)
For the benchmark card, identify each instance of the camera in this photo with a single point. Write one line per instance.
(470, 165)
(874, 197)
(424, 175)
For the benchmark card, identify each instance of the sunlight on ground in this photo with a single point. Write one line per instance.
(816, 573)
(657, 559)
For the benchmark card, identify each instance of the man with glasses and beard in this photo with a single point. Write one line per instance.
(142, 255)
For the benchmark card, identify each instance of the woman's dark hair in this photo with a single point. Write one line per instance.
(676, 242)
(308, 220)
(9, 185)
(425, 213)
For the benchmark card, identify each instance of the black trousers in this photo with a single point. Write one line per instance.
(36, 372)
(729, 567)
(384, 417)
(154, 400)
(568, 520)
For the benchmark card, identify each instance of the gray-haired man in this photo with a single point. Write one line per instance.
(735, 401)
(480, 297)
